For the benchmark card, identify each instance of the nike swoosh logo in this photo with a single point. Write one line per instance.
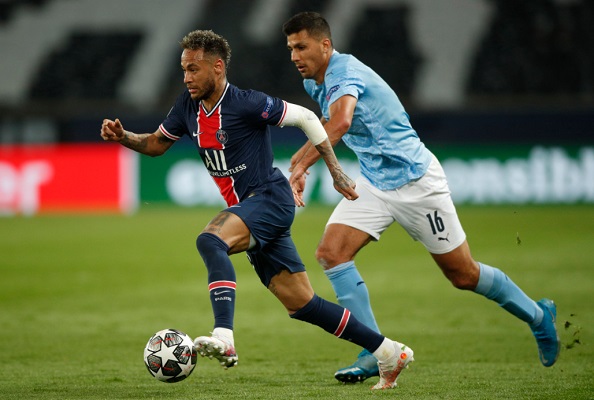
(196, 134)
(221, 292)
(360, 283)
(542, 357)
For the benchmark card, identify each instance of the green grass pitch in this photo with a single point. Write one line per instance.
(81, 295)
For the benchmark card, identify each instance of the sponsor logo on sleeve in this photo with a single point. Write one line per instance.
(269, 103)
(331, 91)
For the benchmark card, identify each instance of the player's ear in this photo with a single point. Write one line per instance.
(219, 66)
(326, 45)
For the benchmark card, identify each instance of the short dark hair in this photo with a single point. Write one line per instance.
(208, 41)
(312, 22)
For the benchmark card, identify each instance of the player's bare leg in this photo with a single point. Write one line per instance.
(336, 252)
(466, 274)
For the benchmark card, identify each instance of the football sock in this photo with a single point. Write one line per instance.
(496, 286)
(351, 292)
(338, 321)
(221, 278)
(386, 350)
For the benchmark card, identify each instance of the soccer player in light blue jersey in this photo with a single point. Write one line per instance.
(401, 181)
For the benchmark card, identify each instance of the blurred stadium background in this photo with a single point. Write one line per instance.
(501, 90)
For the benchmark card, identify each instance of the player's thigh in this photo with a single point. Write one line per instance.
(424, 208)
(265, 216)
(369, 213)
(340, 243)
(275, 257)
(231, 229)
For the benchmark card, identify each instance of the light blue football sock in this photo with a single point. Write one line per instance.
(496, 286)
(351, 292)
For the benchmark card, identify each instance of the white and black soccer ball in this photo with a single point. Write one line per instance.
(170, 355)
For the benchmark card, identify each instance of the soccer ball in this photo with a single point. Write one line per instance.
(170, 356)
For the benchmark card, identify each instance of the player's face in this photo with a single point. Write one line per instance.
(309, 54)
(199, 74)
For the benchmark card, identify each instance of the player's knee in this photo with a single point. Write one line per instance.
(207, 243)
(462, 282)
(326, 258)
(323, 263)
(463, 279)
(202, 243)
(293, 298)
(463, 273)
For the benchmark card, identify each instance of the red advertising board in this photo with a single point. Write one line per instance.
(67, 178)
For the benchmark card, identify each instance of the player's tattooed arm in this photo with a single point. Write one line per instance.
(151, 144)
(136, 142)
(342, 182)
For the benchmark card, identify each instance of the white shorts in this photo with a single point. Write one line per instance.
(424, 208)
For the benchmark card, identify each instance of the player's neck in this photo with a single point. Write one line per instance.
(212, 100)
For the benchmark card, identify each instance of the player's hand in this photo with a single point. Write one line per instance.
(345, 185)
(298, 156)
(297, 182)
(112, 131)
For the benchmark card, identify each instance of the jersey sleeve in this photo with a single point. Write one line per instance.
(343, 81)
(262, 109)
(174, 127)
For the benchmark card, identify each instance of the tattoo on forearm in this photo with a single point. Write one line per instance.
(340, 178)
(136, 142)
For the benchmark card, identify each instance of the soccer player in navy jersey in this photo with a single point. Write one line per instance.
(229, 127)
(401, 182)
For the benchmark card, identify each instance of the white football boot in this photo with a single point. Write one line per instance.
(391, 369)
(217, 347)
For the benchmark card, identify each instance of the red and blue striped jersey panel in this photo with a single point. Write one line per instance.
(208, 126)
(227, 189)
(210, 137)
(233, 139)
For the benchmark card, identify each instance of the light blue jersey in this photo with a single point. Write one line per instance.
(390, 152)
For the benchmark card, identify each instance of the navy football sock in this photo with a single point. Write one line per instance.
(221, 278)
(339, 322)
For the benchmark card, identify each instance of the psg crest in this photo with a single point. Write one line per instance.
(222, 136)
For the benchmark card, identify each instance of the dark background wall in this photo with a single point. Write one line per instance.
(527, 77)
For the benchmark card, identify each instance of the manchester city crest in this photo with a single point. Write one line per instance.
(222, 136)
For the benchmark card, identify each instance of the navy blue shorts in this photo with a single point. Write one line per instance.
(268, 215)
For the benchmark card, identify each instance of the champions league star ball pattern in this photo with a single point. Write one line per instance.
(170, 356)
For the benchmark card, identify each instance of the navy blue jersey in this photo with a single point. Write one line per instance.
(233, 138)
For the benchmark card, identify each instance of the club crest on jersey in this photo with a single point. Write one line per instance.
(222, 136)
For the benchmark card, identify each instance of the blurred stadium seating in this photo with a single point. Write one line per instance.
(67, 63)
